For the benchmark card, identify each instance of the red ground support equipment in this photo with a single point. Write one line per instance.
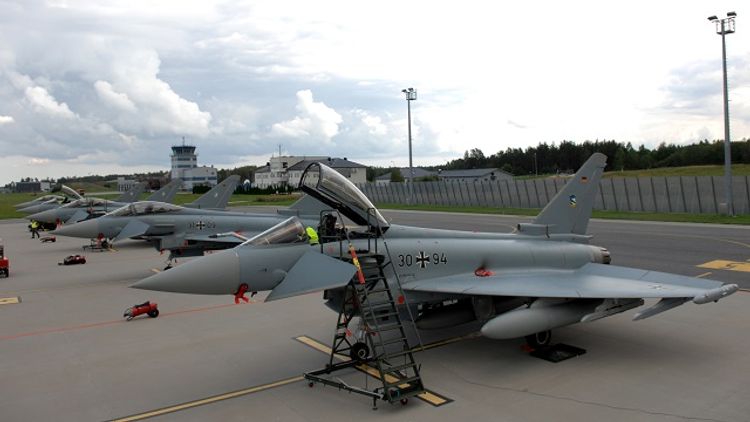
(147, 307)
(73, 260)
(4, 262)
(48, 239)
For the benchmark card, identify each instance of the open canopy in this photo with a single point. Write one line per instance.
(144, 208)
(335, 190)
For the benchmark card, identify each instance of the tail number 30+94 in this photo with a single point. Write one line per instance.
(421, 259)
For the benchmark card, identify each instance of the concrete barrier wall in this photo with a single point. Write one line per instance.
(691, 194)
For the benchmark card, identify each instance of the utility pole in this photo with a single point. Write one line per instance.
(411, 95)
(723, 27)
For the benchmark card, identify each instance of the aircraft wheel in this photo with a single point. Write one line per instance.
(404, 401)
(540, 339)
(359, 352)
(154, 313)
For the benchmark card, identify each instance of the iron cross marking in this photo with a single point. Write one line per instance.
(422, 259)
(200, 224)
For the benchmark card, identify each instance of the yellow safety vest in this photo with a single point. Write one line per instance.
(312, 235)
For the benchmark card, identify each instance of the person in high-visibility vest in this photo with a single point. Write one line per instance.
(312, 235)
(34, 229)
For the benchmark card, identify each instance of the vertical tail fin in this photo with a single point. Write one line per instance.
(570, 210)
(167, 192)
(218, 196)
(305, 206)
(132, 194)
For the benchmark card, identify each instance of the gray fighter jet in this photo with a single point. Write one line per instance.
(185, 232)
(51, 201)
(86, 207)
(40, 200)
(543, 276)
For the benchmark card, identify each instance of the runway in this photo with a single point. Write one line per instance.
(67, 353)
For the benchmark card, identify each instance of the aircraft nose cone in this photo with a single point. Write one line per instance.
(214, 274)
(33, 209)
(87, 229)
(48, 216)
(24, 205)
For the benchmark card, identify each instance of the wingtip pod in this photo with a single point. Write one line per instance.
(714, 295)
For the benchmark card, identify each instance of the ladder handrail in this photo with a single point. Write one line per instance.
(381, 234)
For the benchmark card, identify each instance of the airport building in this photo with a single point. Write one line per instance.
(185, 167)
(124, 185)
(450, 176)
(285, 171)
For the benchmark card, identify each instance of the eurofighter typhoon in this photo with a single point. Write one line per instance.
(543, 276)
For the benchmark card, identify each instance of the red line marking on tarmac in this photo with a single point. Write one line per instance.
(105, 323)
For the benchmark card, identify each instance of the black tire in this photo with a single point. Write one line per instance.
(154, 313)
(540, 339)
(359, 352)
(404, 401)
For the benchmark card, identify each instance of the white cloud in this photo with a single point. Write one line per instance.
(43, 102)
(37, 161)
(116, 84)
(4, 120)
(316, 121)
(112, 98)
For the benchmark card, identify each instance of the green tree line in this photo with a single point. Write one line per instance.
(568, 156)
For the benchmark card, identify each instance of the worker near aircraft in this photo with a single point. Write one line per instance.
(312, 235)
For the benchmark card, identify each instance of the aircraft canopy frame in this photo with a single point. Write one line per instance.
(288, 231)
(333, 189)
(144, 208)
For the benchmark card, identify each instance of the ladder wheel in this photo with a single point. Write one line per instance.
(404, 401)
(359, 351)
(311, 384)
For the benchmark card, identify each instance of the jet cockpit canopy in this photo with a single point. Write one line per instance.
(144, 208)
(335, 190)
(288, 231)
(86, 202)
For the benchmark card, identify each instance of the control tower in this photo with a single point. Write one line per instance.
(183, 157)
(185, 167)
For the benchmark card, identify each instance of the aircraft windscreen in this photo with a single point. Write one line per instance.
(76, 204)
(144, 208)
(288, 231)
(334, 189)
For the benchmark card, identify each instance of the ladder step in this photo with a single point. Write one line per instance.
(395, 369)
(380, 302)
(376, 291)
(399, 354)
(412, 390)
(409, 380)
(389, 327)
(383, 316)
(395, 341)
(379, 305)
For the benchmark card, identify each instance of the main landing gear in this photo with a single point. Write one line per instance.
(540, 339)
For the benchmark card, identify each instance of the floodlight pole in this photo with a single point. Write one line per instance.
(723, 27)
(411, 95)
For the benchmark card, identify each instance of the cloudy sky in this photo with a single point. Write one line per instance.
(108, 86)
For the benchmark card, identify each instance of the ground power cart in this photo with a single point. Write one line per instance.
(4, 263)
